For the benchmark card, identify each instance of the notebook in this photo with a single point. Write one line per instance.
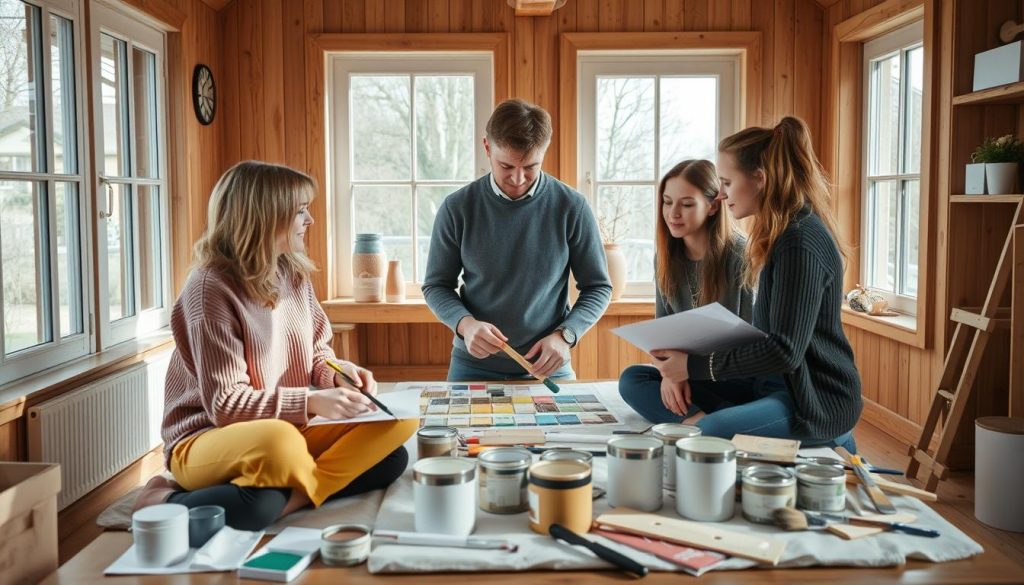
(283, 558)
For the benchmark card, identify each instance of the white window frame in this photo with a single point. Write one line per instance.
(726, 65)
(895, 42)
(340, 67)
(62, 349)
(136, 33)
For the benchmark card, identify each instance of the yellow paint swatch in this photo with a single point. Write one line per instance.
(480, 421)
(481, 409)
(502, 409)
(522, 400)
(459, 409)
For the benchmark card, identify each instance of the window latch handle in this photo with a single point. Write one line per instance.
(106, 184)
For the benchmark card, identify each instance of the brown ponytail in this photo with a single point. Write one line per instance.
(793, 178)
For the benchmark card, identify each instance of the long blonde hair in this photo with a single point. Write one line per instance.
(793, 178)
(252, 203)
(721, 235)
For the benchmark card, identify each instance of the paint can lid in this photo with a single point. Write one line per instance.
(505, 458)
(159, 516)
(768, 476)
(1001, 424)
(443, 471)
(635, 447)
(672, 432)
(821, 474)
(705, 450)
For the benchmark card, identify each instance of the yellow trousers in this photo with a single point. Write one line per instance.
(318, 460)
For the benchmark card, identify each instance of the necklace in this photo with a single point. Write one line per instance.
(691, 283)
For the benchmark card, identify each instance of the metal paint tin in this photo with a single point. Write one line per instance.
(502, 480)
(560, 492)
(635, 472)
(821, 488)
(567, 453)
(444, 495)
(765, 489)
(669, 433)
(344, 545)
(705, 479)
(437, 442)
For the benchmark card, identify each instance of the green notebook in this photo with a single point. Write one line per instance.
(275, 561)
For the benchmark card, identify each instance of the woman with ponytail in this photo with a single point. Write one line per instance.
(699, 261)
(800, 381)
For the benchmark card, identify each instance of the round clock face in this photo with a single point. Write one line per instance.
(204, 94)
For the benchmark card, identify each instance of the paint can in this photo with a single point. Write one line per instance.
(669, 433)
(560, 492)
(502, 480)
(567, 453)
(345, 545)
(437, 442)
(161, 534)
(765, 489)
(635, 472)
(705, 479)
(444, 495)
(820, 488)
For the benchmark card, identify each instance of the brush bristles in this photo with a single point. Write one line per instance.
(790, 519)
(551, 385)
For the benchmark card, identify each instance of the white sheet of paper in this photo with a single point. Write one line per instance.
(699, 331)
(224, 552)
(404, 403)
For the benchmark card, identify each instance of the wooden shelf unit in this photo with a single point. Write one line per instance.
(985, 198)
(1012, 93)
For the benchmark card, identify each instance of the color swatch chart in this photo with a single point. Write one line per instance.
(502, 405)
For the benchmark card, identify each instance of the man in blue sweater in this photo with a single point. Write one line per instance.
(514, 235)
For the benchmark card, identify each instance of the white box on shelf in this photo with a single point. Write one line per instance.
(999, 66)
(974, 179)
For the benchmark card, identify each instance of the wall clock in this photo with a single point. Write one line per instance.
(204, 94)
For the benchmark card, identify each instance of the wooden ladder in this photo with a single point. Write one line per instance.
(960, 369)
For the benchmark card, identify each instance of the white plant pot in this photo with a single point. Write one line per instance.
(974, 179)
(1001, 178)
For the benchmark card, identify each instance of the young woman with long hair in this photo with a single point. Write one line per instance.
(699, 260)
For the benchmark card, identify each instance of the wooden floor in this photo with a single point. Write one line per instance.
(956, 499)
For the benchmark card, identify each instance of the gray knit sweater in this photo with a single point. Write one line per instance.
(798, 305)
(514, 258)
(738, 298)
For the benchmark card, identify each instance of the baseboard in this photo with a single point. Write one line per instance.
(903, 430)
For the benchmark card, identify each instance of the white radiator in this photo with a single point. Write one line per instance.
(96, 431)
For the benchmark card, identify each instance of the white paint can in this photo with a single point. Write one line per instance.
(767, 488)
(444, 495)
(669, 433)
(161, 534)
(503, 480)
(821, 488)
(635, 472)
(705, 479)
(999, 472)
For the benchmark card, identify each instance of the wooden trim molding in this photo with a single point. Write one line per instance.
(843, 156)
(318, 46)
(902, 328)
(346, 311)
(163, 11)
(748, 44)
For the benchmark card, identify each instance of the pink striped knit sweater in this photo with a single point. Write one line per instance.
(236, 360)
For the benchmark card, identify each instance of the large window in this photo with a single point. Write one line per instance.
(406, 131)
(893, 82)
(42, 208)
(132, 235)
(639, 115)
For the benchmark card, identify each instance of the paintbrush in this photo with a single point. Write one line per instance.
(624, 563)
(337, 368)
(529, 367)
(878, 498)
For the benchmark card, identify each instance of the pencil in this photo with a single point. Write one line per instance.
(528, 367)
(337, 368)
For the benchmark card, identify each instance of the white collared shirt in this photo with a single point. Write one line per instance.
(500, 193)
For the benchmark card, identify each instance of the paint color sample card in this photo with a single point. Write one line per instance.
(505, 405)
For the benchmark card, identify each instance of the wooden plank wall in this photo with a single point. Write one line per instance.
(264, 101)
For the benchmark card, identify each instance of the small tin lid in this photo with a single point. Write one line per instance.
(159, 515)
(511, 458)
(705, 450)
(672, 432)
(567, 470)
(566, 454)
(821, 474)
(438, 434)
(768, 476)
(635, 447)
(1001, 424)
(346, 535)
(443, 471)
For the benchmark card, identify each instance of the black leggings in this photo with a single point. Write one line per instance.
(251, 508)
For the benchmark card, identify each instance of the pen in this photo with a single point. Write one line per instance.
(425, 539)
(337, 368)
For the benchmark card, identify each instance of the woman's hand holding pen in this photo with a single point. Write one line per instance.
(363, 378)
(338, 403)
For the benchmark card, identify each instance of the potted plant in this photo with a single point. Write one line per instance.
(1001, 157)
(610, 222)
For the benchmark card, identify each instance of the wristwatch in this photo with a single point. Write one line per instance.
(568, 335)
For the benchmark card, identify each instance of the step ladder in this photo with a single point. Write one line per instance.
(960, 369)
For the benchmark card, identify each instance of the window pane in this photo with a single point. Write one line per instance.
(884, 129)
(386, 210)
(689, 119)
(626, 215)
(114, 97)
(147, 156)
(625, 128)
(913, 115)
(912, 233)
(119, 259)
(24, 258)
(62, 74)
(381, 131)
(444, 127)
(69, 258)
(150, 236)
(428, 200)
(19, 109)
(883, 222)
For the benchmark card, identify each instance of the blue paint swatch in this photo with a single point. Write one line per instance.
(547, 419)
(586, 398)
(567, 419)
(460, 387)
(561, 399)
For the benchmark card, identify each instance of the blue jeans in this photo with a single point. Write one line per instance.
(461, 371)
(749, 406)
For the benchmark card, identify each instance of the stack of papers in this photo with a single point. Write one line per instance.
(699, 331)
(225, 551)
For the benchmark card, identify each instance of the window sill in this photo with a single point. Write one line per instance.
(346, 310)
(901, 328)
(16, 396)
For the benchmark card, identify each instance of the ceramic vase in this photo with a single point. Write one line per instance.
(368, 266)
(616, 269)
(396, 282)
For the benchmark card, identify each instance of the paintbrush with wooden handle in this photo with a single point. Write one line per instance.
(529, 367)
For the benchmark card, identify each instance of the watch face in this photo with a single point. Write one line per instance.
(204, 94)
(568, 336)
